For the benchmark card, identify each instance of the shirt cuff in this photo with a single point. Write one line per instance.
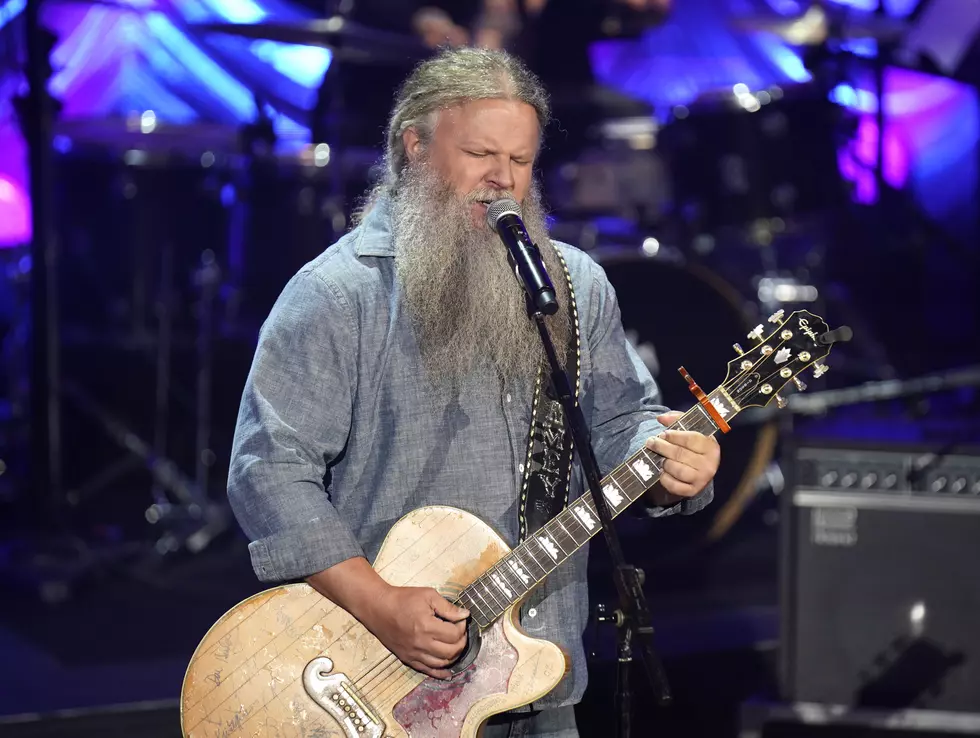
(298, 552)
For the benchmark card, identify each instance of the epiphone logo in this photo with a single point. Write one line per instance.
(805, 327)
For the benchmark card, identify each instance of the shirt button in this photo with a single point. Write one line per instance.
(508, 397)
(532, 613)
(521, 467)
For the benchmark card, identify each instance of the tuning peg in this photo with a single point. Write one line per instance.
(781, 402)
(820, 369)
(738, 349)
(776, 316)
(756, 333)
(800, 384)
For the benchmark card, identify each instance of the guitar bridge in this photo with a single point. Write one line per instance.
(338, 696)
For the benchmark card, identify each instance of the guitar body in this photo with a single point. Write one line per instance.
(289, 662)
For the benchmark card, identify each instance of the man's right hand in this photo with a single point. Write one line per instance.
(420, 627)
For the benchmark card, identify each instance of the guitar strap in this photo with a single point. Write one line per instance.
(548, 464)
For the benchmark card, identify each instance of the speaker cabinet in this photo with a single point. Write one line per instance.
(881, 580)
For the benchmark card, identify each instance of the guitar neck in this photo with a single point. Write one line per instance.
(516, 574)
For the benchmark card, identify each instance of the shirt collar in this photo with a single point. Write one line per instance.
(375, 231)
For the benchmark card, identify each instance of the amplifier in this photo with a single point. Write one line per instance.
(880, 579)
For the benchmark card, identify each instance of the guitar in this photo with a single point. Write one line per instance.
(289, 662)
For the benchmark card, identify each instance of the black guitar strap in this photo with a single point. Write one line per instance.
(548, 464)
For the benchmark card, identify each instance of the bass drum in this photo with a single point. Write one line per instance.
(677, 314)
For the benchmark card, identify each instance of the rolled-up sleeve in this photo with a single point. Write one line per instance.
(294, 420)
(626, 398)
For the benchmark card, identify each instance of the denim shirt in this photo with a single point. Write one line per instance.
(340, 433)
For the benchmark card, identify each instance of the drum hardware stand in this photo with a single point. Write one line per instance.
(36, 112)
(193, 521)
(258, 141)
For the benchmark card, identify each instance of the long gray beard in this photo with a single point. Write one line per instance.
(467, 307)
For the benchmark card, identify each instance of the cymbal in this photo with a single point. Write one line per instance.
(121, 5)
(156, 139)
(816, 26)
(349, 40)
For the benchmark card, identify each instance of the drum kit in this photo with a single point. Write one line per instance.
(240, 209)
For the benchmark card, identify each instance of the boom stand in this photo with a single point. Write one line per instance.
(635, 621)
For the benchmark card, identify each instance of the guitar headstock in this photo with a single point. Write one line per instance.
(798, 342)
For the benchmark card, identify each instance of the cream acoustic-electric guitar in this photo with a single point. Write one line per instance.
(289, 662)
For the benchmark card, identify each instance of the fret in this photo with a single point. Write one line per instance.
(590, 506)
(486, 588)
(556, 525)
(520, 571)
(571, 523)
(630, 485)
(530, 554)
(516, 574)
(474, 588)
(575, 528)
(475, 610)
(507, 574)
(703, 421)
(503, 586)
(655, 460)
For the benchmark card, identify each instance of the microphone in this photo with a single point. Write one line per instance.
(504, 217)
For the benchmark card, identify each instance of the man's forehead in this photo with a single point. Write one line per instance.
(512, 120)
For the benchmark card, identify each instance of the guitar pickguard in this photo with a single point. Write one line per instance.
(437, 709)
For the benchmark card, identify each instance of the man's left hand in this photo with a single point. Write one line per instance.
(691, 460)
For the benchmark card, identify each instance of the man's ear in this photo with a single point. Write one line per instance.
(412, 143)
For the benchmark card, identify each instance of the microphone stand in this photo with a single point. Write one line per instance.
(635, 621)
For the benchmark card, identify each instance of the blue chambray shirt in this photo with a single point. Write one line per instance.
(340, 434)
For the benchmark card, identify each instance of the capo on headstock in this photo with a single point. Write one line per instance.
(705, 403)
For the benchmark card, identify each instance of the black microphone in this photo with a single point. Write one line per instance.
(504, 217)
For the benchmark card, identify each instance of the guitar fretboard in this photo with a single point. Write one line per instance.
(516, 574)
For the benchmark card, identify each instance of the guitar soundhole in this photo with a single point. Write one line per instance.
(470, 652)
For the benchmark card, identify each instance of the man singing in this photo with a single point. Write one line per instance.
(398, 370)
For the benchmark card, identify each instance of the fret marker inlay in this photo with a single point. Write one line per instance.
(548, 546)
(498, 580)
(530, 563)
(583, 515)
(612, 494)
(643, 470)
(521, 574)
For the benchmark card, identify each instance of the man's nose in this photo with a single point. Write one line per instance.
(502, 174)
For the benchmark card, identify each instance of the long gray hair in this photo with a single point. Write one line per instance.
(453, 77)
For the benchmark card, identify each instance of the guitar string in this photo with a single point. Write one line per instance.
(387, 673)
(365, 685)
(390, 660)
(394, 668)
(402, 669)
(392, 679)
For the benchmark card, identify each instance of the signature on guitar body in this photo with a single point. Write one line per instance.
(289, 662)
